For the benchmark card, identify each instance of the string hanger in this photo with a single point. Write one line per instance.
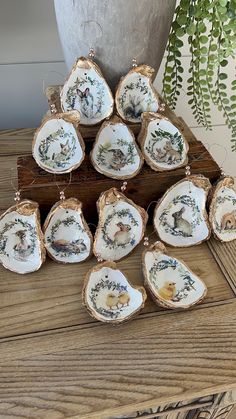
(221, 164)
(15, 188)
(62, 191)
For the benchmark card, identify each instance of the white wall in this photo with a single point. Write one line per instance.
(31, 55)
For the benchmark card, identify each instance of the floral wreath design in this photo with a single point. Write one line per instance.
(222, 200)
(111, 244)
(129, 158)
(189, 202)
(22, 224)
(110, 286)
(67, 222)
(72, 95)
(143, 88)
(173, 264)
(52, 138)
(156, 137)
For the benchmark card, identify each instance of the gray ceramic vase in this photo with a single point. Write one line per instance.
(118, 30)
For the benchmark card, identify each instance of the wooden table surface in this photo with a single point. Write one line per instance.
(57, 362)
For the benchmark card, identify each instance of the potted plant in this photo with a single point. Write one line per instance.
(122, 29)
(211, 29)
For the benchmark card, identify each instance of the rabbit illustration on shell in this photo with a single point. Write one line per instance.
(117, 158)
(228, 221)
(181, 224)
(63, 154)
(133, 109)
(123, 235)
(168, 154)
(86, 100)
(172, 154)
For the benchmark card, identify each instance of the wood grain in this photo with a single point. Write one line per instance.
(105, 371)
(51, 297)
(56, 362)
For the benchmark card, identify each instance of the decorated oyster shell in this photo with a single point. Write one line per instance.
(135, 94)
(108, 295)
(180, 217)
(121, 225)
(115, 152)
(67, 236)
(222, 214)
(163, 145)
(169, 280)
(21, 238)
(87, 91)
(58, 146)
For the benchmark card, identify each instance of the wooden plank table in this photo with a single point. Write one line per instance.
(57, 362)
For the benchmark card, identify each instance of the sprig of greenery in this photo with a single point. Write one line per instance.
(211, 29)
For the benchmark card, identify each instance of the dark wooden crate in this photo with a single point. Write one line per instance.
(87, 184)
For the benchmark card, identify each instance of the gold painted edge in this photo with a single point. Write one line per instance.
(70, 203)
(115, 120)
(83, 62)
(144, 70)
(63, 116)
(199, 181)
(227, 181)
(160, 248)
(111, 196)
(148, 117)
(92, 312)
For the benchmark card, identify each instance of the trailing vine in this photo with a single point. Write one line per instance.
(211, 29)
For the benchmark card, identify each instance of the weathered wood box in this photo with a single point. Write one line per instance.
(86, 184)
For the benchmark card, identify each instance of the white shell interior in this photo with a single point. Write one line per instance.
(115, 152)
(179, 218)
(20, 249)
(57, 148)
(66, 238)
(110, 296)
(171, 282)
(164, 145)
(120, 231)
(86, 91)
(224, 214)
(135, 96)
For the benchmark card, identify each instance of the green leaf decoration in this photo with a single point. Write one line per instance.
(210, 50)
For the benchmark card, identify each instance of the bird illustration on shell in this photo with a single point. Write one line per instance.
(113, 301)
(168, 291)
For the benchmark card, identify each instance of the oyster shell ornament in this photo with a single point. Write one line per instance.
(108, 295)
(163, 145)
(135, 94)
(21, 238)
(120, 228)
(180, 217)
(87, 91)
(58, 146)
(115, 152)
(222, 213)
(170, 282)
(67, 236)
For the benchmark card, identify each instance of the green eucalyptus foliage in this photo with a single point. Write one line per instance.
(211, 29)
